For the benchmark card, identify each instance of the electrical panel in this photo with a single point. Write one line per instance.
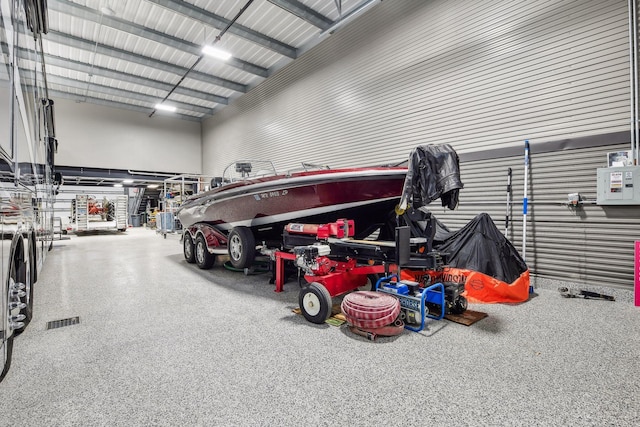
(619, 186)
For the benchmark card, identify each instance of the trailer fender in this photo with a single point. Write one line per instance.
(216, 239)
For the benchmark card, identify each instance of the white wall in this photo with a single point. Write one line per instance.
(478, 75)
(102, 137)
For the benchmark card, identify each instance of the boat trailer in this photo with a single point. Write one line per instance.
(330, 263)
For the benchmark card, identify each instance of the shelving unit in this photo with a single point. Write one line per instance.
(175, 190)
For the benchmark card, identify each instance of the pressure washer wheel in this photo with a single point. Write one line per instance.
(315, 303)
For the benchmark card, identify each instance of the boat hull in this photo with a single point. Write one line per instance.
(366, 195)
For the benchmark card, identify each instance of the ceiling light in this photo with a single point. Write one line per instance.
(117, 185)
(127, 181)
(163, 107)
(152, 186)
(216, 53)
(106, 10)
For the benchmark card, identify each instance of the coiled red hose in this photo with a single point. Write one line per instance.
(370, 310)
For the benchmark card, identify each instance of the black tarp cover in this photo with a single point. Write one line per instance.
(481, 247)
(478, 255)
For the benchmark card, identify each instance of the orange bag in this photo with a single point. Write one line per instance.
(479, 288)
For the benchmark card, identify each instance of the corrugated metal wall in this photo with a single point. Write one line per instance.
(587, 244)
(477, 75)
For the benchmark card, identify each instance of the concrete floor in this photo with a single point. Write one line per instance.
(163, 343)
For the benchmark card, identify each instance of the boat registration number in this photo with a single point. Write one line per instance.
(268, 195)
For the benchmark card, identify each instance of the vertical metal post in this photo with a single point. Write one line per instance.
(634, 57)
(509, 195)
(525, 200)
(525, 203)
(632, 81)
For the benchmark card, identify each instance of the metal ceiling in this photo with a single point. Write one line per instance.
(132, 53)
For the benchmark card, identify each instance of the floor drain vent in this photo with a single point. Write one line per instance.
(63, 322)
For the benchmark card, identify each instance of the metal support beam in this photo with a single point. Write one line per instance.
(130, 78)
(113, 52)
(187, 9)
(127, 94)
(344, 19)
(112, 104)
(305, 13)
(82, 67)
(73, 9)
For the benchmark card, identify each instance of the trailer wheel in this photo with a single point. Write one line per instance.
(188, 248)
(315, 303)
(203, 258)
(242, 247)
(111, 211)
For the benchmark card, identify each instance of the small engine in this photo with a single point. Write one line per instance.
(308, 258)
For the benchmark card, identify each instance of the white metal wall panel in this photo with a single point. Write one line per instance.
(474, 74)
(587, 244)
(477, 75)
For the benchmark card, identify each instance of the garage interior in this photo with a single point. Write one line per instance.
(349, 84)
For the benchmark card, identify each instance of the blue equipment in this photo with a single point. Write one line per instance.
(414, 300)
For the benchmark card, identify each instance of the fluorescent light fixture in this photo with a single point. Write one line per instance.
(163, 107)
(106, 10)
(216, 53)
(152, 186)
(127, 181)
(117, 185)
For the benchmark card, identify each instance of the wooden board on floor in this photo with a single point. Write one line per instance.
(467, 318)
(336, 319)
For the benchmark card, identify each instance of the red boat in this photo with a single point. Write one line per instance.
(252, 203)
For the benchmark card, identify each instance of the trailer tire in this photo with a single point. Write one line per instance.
(203, 258)
(315, 303)
(111, 211)
(242, 247)
(188, 248)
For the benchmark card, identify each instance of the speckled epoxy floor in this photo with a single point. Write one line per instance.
(163, 343)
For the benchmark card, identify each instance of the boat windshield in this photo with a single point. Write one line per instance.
(248, 169)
